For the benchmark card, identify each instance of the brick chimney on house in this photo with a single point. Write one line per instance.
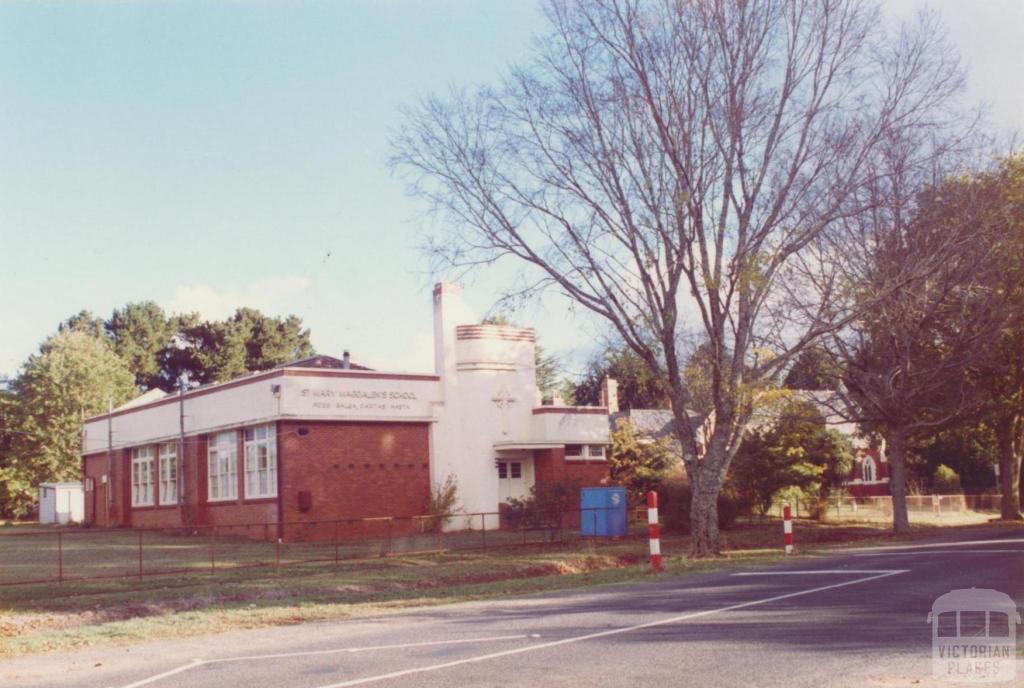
(610, 394)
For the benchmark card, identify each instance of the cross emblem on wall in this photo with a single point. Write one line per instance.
(504, 400)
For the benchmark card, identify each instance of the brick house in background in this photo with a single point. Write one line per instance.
(869, 476)
(323, 439)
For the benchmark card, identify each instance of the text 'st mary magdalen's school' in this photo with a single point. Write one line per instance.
(323, 439)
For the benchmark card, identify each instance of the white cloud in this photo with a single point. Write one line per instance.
(275, 295)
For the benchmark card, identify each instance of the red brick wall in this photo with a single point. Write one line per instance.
(551, 466)
(239, 510)
(354, 469)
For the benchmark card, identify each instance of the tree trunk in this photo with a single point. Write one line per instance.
(1009, 468)
(896, 451)
(704, 517)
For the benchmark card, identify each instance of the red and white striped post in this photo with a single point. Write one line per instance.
(787, 526)
(654, 530)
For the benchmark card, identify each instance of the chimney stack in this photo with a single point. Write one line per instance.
(610, 394)
(346, 361)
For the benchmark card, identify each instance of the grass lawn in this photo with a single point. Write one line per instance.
(39, 618)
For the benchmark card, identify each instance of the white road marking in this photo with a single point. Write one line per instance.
(811, 572)
(941, 551)
(172, 672)
(200, 662)
(603, 634)
(933, 545)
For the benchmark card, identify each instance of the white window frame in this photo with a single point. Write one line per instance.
(261, 461)
(586, 452)
(869, 461)
(169, 473)
(142, 476)
(506, 468)
(222, 467)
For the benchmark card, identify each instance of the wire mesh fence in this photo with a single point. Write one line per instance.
(924, 509)
(78, 553)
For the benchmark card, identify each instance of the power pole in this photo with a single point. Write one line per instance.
(186, 511)
(109, 491)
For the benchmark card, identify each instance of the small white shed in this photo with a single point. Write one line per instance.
(61, 503)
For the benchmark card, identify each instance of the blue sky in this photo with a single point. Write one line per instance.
(212, 155)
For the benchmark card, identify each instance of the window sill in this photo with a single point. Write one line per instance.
(222, 500)
(260, 500)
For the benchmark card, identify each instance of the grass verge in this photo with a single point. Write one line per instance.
(88, 613)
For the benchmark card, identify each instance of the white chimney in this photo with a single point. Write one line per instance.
(449, 311)
(610, 394)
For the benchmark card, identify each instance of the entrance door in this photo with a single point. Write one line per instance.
(515, 478)
(99, 504)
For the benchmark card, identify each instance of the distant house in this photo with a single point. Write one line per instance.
(870, 474)
(654, 424)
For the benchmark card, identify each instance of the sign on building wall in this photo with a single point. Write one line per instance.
(359, 398)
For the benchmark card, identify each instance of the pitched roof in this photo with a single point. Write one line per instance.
(655, 423)
(151, 395)
(321, 361)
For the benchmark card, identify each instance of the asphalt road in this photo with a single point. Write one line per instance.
(856, 619)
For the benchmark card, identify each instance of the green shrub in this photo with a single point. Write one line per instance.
(545, 505)
(674, 505)
(946, 481)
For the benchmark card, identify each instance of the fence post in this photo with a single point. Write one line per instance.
(140, 553)
(654, 530)
(336, 557)
(60, 557)
(593, 533)
(787, 527)
(483, 529)
(389, 536)
(213, 559)
(277, 555)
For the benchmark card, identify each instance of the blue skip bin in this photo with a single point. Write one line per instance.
(602, 511)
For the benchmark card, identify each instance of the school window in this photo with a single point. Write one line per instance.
(260, 462)
(142, 476)
(594, 452)
(168, 473)
(510, 469)
(222, 467)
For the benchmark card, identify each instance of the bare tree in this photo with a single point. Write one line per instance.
(662, 163)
